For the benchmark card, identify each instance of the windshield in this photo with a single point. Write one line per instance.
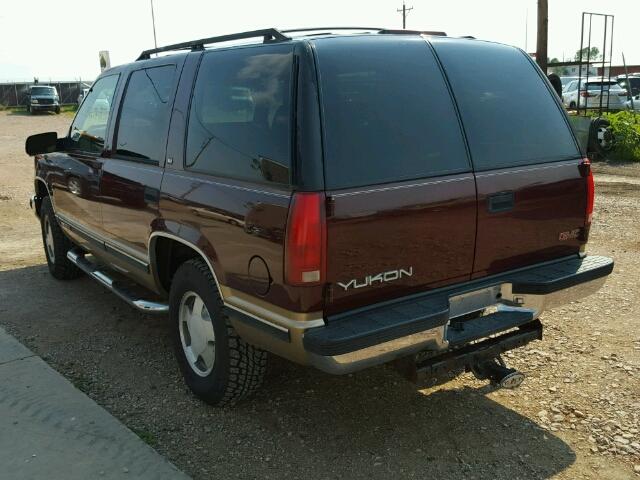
(43, 91)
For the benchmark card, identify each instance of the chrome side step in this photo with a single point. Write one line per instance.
(146, 306)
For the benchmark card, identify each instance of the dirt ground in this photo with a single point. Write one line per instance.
(576, 416)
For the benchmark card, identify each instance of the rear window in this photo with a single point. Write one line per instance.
(510, 116)
(387, 113)
(602, 85)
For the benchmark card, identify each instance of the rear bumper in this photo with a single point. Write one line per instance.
(427, 322)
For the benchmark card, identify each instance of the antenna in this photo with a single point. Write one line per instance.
(153, 22)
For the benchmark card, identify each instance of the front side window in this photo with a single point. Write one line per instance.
(240, 116)
(89, 128)
(510, 116)
(145, 114)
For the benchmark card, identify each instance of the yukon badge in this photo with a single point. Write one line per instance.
(383, 277)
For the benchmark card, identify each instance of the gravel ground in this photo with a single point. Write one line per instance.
(576, 416)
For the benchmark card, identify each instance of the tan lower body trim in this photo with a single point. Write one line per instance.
(269, 313)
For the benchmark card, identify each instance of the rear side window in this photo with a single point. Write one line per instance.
(510, 116)
(240, 116)
(145, 114)
(387, 113)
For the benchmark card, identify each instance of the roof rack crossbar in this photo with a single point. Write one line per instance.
(269, 34)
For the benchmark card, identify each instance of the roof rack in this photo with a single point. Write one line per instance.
(268, 34)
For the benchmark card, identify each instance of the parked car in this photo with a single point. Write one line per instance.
(43, 98)
(633, 87)
(312, 197)
(594, 93)
(635, 104)
(82, 94)
(566, 81)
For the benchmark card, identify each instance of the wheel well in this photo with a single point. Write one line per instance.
(169, 254)
(41, 192)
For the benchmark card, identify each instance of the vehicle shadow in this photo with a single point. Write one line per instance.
(372, 424)
(24, 113)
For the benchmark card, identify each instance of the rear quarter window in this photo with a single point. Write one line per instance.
(510, 116)
(240, 117)
(387, 113)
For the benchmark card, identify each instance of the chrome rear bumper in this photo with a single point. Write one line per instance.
(526, 293)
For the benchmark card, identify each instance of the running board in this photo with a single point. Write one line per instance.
(146, 306)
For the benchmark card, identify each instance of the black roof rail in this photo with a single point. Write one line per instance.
(313, 29)
(376, 29)
(413, 32)
(269, 35)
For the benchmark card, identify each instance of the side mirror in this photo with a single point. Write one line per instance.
(41, 143)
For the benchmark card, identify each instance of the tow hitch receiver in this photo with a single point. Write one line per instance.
(481, 358)
(497, 373)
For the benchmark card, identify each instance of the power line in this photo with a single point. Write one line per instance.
(405, 11)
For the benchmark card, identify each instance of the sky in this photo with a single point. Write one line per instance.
(65, 37)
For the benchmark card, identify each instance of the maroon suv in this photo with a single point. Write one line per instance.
(340, 199)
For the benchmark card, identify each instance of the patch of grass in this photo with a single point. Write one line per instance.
(146, 437)
(625, 126)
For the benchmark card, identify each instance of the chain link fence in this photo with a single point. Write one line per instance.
(16, 94)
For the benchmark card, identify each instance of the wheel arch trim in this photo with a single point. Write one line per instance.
(280, 322)
(198, 250)
(38, 179)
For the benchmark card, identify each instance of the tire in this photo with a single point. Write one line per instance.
(601, 138)
(57, 110)
(572, 106)
(29, 108)
(226, 369)
(56, 244)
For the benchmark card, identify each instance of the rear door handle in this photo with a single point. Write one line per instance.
(500, 202)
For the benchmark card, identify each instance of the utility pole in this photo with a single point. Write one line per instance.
(405, 11)
(526, 31)
(543, 27)
(153, 21)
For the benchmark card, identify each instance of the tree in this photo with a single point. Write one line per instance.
(557, 70)
(588, 55)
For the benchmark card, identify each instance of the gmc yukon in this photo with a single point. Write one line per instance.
(342, 199)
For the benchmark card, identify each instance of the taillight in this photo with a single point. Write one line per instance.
(587, 172)
(587, 94)
(306, 240)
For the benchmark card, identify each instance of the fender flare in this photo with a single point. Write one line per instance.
(152, 256)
